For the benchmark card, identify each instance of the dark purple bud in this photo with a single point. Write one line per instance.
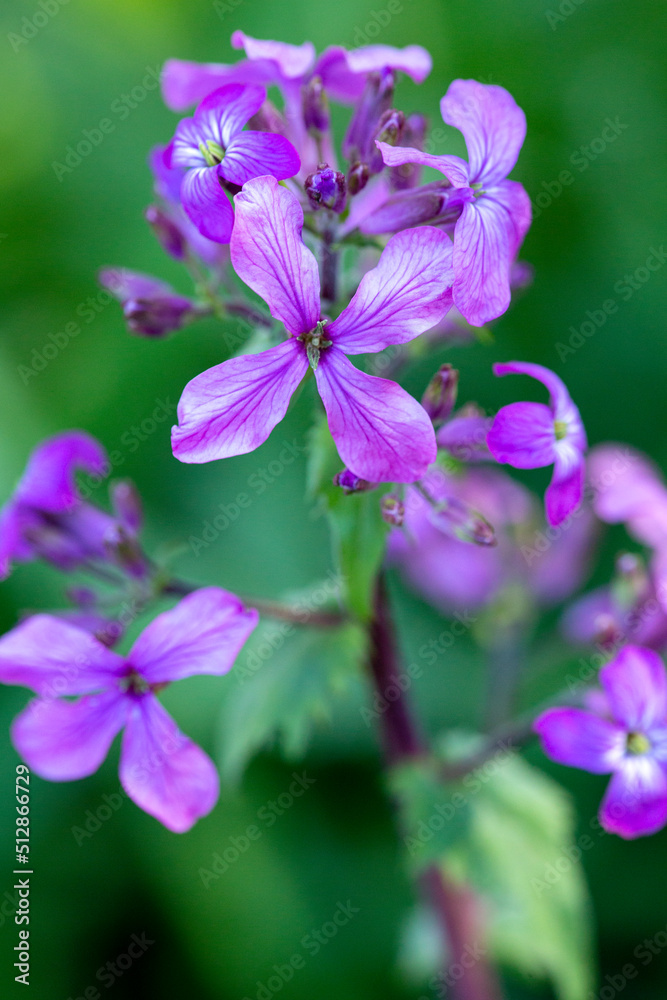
(124, 549)
(168, 234)
(158, 317)
(441, 392)
(126, 504)
(326, 188)
(350, 483)
(315, 106)
(459, 520)
(375, 100)
(408, 174)
(406, 209)
(392, 509)
(357, 177)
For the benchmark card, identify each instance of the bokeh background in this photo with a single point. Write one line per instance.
(571, 70)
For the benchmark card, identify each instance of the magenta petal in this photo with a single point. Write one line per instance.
(183, 152)
(207, 205)
(65, 740)
(560, 398)
(581, 739)
(492, 123)
(413, 60)
(407, 293)
(201, 635)
(185, 83)
(293, 61)
(54, 658)
(164, 772)
(523, 436)
(453, 167)
(232, 408)
(251, 154)
(48, 482)
(566, 489)
(224, 112)
(635, 803)
(636, 684)
(382, 433)
(270, 256)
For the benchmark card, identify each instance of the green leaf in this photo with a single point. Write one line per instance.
(434, 815)
(287, 679)
(358, 532)
(519, 857)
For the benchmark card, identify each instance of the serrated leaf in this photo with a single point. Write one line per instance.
(287, 679)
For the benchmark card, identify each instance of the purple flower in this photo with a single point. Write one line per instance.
(493, 213)
(214, 150)
(531, 435)
(160, 769)
(381, 432)
(631, 744)
(151, 307)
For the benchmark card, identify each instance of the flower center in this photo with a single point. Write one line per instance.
(637, 744)
(560, 429)
(212, 152)
(134, 683)
(315, 342)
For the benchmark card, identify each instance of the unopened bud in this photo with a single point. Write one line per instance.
(376, 99)
(326, 188)
(125, 550)
(392, 509)
(357, 177)
(458, 520)
(167, 232)
(407, 175)
(157, 317)
(126, 503)
(315, 106)
(350, 483)
(441, 392)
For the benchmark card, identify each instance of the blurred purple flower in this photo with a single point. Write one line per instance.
(151, 307)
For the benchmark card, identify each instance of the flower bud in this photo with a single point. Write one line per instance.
(126, 503)
(326, 188)
(157, 317)
(405, 209)
(357, 177)
(441, 392)
(167, 232)
(392, 509)
(350, 483)
(458, 520)
(124, 549)
(375, 100)
(407, 175)
(315, 106)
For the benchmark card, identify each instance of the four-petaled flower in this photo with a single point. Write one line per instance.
(214, 149)
(160, 769)
(495, 213)
(381, 432)
(629, 741)
(531, 435)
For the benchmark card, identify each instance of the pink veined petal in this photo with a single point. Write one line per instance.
(65, 740)
(203, 634)
(165, 773)
(407, 293)
(566, 489)
(635, 804)
(523, 436)
(561, 403)
(54, 658)
(251, 154)
(636, 684)
(222, 114)
(453, 167)
(232, 408)
(382, 433)
(183, 152)
(186, 83)
(412, 60)
(48, 482)
(492, 123)
(207, 205)
(270, 256)
(293, 60)
(581, 739)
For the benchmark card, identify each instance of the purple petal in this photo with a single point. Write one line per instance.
(628, 487)
(12, 543)
(382, 433)
(635, 803)
(487, 237)
(126, 284)
(566, 489)
(369, 199)
(167, 179)
(561, 403)
(201, 635)
(48, 482)
(293, 60)
(407, 293)
(465, 437)
(578, 738)
(183, 152)
(207, 205)
(185, 83)
(412, 60)
(54, 658)
(222, 114)
(523, 436)
(251, 154)
(270, 256)
(65, 740)
(164, 772)
(492, 123)
(636, 684)
(453, 167)
(232, 408)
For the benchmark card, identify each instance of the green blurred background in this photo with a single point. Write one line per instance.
(596, 60)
